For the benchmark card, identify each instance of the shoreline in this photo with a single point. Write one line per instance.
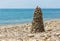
(47, 19)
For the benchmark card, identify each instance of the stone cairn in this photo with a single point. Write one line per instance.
(37, 23)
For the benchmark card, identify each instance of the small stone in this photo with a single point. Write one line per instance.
(57, 34)
(30, 35)
(49, 39)
(47, 28)
(42, 36)
(32, 40)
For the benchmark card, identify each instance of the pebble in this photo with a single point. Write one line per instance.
(21, 33)
(30, 35)
(32, 40)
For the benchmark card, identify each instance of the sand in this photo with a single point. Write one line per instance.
(21, 32)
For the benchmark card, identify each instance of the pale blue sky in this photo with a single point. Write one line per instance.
(29, 3)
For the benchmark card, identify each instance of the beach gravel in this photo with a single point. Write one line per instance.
(21, 32)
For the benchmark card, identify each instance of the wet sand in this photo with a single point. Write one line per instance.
(21, 32)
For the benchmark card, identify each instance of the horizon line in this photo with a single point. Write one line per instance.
(29, 8)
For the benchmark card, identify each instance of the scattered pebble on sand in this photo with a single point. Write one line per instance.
(21, 32)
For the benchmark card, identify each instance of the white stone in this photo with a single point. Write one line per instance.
(31, 35)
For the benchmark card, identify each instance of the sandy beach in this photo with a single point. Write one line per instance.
(21, 32)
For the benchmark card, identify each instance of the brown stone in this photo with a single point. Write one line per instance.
(37, 23)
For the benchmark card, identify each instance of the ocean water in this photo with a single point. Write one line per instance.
(11, 16)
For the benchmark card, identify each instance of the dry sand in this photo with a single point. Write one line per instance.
(21, 32)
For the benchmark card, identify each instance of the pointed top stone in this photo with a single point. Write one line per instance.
(38, 7)
(37, 10)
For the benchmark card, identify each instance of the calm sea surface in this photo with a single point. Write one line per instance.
(11, 16)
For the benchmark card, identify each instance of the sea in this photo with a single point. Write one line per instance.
(12, 16)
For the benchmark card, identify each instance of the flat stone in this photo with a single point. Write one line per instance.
(30, 35)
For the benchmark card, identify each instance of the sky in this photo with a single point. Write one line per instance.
(29, 3)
